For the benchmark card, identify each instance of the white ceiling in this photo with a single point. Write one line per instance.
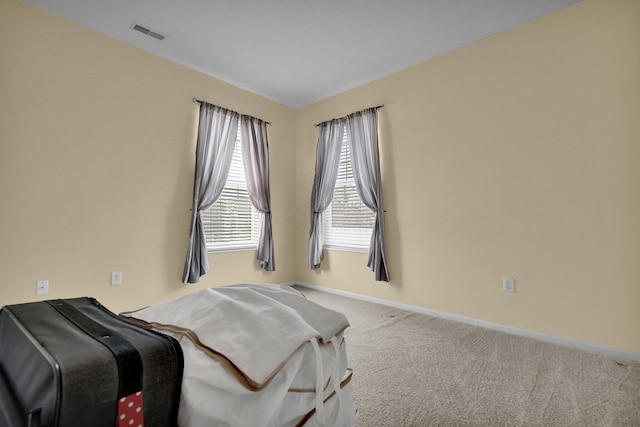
(297, 52)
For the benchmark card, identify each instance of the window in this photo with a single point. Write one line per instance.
(348, 223)
(232, 223)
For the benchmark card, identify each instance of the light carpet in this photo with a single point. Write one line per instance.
(412, 369)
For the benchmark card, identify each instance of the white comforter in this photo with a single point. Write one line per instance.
(257, 355)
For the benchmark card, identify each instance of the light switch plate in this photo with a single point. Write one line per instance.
(42, 287)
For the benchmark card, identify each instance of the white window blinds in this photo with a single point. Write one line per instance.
(232, 223)
(348, 223)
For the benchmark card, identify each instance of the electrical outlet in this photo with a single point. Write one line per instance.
(42, 287)
(116, 277)
(509, 284)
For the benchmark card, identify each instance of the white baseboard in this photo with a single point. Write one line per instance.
(594, 348)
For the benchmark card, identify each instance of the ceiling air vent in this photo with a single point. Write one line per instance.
(147, 31)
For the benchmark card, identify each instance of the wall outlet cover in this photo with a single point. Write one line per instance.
(509, 284)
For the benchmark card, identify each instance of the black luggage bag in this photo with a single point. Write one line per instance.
(74, 363)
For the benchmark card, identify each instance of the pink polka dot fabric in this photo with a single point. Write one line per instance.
(130, 413)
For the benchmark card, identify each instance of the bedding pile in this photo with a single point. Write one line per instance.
(257, 355)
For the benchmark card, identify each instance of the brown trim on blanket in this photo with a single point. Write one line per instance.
(242, 377)
(309, 390)
(310, 414)
(312, 390)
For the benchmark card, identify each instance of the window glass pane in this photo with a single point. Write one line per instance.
(348, 223)
(232, 223)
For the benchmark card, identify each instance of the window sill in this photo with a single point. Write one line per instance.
(234, 249)
(346, 249)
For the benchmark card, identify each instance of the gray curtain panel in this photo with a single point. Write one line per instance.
(362, 137)
(217, 133)
(324, 181)
(255, 157)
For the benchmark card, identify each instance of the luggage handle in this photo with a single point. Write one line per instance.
(35, 418)
(127, 357)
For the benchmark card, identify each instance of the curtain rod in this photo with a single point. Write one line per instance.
(338, 118)
(200, 102)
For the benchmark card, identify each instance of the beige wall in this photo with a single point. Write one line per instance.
(96, 166)
(516, 156)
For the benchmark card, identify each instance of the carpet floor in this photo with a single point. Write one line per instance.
(412, 369)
